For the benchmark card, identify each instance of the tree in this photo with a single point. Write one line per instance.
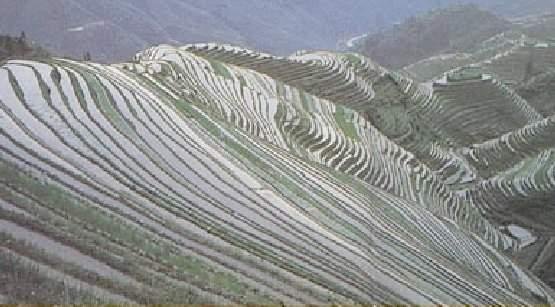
(529, 70)
(22, 37)
(87, 57)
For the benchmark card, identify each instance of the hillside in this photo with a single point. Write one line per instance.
(115, 30)
(518, 65)
(451, 30)
(539, 91)
(215, 174)
(518, 57)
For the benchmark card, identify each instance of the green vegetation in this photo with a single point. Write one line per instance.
(23, 282)
(344, 118)
(353, 59)
(19, 47)
(465, 73)
(220, 70)
(114, 228)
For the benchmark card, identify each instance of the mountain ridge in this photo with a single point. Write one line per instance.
(112, 31)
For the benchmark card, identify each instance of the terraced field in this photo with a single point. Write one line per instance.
(523, 63)
(215, 174)
(500, 126)
(511, 57)
(538, 91)
(474, 111)
(495, 47)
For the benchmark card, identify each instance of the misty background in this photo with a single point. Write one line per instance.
(113, 30)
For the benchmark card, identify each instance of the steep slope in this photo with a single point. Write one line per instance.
(477, 110)
(216, 174)
(539, 91)
(518, 189)
(513, 175)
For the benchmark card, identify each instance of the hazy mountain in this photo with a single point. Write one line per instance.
(451, 30)
(518, 7)
(114, 30)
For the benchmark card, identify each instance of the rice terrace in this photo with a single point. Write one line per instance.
(211, 173)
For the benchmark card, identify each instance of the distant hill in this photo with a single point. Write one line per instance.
(450, 30)
(115, 30)
(519, 7)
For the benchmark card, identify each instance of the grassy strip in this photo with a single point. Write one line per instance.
(220, 69)
(152, 290)
(25, 249)
(344, 118)
(26, 283)
(137, 247)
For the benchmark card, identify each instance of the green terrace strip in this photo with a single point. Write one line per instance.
(211, 174)
(25, 281)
